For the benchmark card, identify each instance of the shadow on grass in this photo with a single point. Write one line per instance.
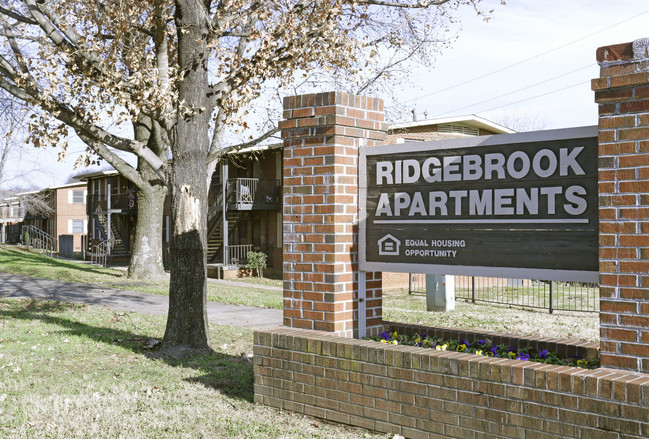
(231, 375)
(54, 263)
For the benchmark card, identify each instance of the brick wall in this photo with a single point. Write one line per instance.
(622, 92)
(423, 393)
(322, 133)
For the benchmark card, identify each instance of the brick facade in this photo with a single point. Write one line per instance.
(622, 92)
(424, 393)
(429, 394)
(322, 133)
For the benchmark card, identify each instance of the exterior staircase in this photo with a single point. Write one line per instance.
(39, 240)
(118, 246)
(215, 234)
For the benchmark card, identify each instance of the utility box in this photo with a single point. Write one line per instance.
(440, 292)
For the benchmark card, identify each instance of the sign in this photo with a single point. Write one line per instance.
(514, 205)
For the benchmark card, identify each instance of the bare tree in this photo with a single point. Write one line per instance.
(521, 121)
(182, 73)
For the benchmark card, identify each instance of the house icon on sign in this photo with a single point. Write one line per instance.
(389, 246)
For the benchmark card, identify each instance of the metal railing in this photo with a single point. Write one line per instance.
(122, 201)
(528, 293)
(13, 214)
(249, 191)
(38, 239)
(100, 252)
(237, 255)
(245, 190)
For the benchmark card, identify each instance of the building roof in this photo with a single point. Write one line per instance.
(92, 174)
(51, 188)
(471, 120)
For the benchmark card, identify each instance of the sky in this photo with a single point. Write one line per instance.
(529, 65)
(532, 61)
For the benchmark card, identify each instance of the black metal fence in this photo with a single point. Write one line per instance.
(530, 293)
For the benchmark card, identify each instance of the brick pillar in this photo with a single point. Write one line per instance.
(322, 133)
(622, 92)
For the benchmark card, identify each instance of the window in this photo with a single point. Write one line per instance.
(77, 226)
(78, 197)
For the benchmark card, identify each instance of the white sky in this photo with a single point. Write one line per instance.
(545, 47)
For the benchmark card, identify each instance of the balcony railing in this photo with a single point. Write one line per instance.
(12, 215)
(237, 255)
(249, 193)
(125, 201)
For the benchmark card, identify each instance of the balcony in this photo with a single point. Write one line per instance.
(254, 194)
(125, 202)
(13, 215)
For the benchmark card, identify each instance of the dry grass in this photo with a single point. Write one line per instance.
(401, 307)
(69, 371)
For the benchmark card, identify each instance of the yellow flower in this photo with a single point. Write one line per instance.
(395, 342)
(417, 340)
(511, 354)
(478, 352)
(461, 347)
(383, 340)
(582, 363)
(442, 347)
(395, 335)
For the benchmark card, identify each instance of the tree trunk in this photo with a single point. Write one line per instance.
(146, 258)
(187, 331)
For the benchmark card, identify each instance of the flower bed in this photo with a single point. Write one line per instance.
(485, 347)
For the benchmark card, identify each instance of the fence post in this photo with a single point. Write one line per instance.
(410, 283)
(472, 289)
(551, 297)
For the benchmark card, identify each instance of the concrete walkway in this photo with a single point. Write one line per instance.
(15, 286)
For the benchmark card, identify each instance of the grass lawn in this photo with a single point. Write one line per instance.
(396, 306)
(74, 371)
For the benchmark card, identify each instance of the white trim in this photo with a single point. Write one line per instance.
(471, 120)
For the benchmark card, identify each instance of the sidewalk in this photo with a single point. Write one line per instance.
(218, 281)
(16, 286)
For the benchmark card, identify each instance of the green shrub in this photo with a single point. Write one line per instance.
(257, 261)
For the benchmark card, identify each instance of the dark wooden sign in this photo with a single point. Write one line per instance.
(514, 205)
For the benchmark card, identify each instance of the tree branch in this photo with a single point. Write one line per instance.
(16, 16)
(395, 4)
(218, 153)
(113, 159)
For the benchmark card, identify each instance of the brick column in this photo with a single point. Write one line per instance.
(322, 133)
(622, 92)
